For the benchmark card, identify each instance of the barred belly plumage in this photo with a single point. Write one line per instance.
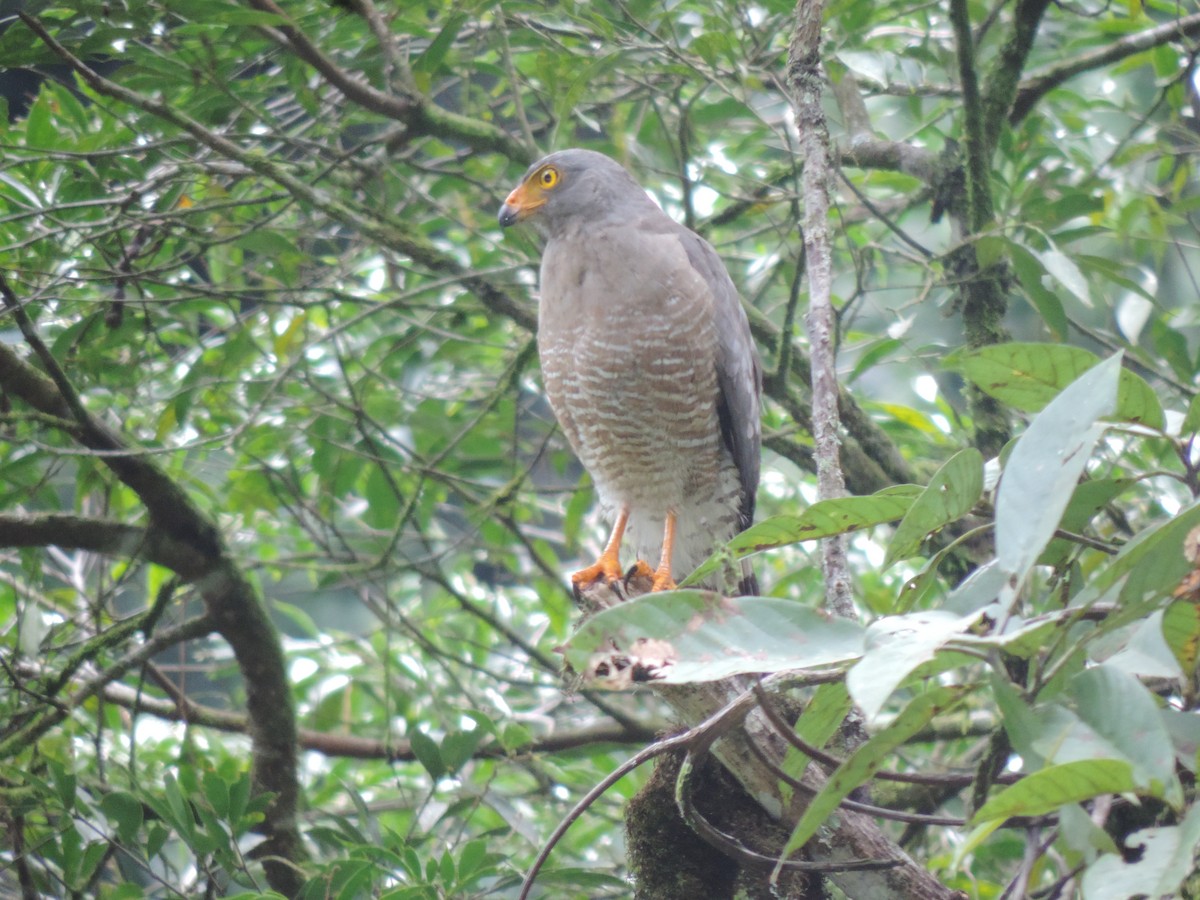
(640, 411)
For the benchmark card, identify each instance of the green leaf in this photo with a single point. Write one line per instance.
(514, 736)
(93, 855)
(954, 489)
(1029, 271)
(1184, 728)
(180, 816)
(823, 519)
(1089, 498)
(426, 751)
(1047, 790)
(156, 837)
(691, 636)
(1029, 376)
(1020, 722)
(216, 791)
(1021, 637)
(1181, 630)
(124, 811)
(65, 784)
(1151, 564)
(895, 646)
(817, 724)
(239, 798)
(383, 506)
(1063, 269)
(1120, 709)
(869, 758)
(471, 858)
(458, 746)
(1141, 649)
(1191, 421)
(40, 128)
(1080, 833)
(429, 61)
(1044, 467)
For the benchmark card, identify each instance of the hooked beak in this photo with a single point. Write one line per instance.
(520, 204)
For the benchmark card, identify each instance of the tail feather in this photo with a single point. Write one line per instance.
(748, 585)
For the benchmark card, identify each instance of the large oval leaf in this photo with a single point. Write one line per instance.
(1045, 465)
(684, 636)
(1028, 376)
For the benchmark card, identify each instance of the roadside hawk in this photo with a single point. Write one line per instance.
(648, 363)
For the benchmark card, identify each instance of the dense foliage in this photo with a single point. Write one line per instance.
(283, 509)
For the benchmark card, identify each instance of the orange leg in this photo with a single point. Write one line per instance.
(608, 567)
(662, 575)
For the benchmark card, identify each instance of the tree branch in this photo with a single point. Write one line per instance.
(50, 715)
(169, 506)
(354, 747)
(979, 193)
(1043, 81)
(752, 754)
(804, 77)
(414, 109)
(104, 536)
(1004, 77)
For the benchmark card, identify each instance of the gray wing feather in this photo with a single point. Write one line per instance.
(739, 371)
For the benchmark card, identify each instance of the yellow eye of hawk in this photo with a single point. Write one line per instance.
(548, 177)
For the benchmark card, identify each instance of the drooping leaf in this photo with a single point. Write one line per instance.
(817, 724)
(1019, 637)
(427, 753)
(1140, 649)
(1181, 629)
(1152, 563)
(1191, 420)
(1042, 470)
(1030, 271)
(1089, 498)
(895, 646)
(1064, 270)
(1119, 707)
(125, 812)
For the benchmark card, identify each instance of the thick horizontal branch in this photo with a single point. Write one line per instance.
(71, 532)
(891, 156)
